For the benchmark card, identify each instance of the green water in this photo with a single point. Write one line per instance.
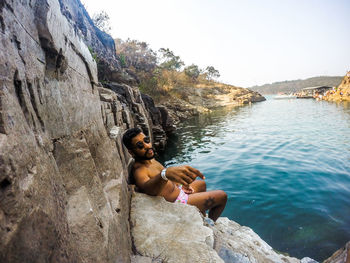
(285, 165)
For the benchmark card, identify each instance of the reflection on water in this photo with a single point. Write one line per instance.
(285, 166)
(345, 105)
(196, 135)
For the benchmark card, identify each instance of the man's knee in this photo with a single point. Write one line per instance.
(222, 195)
(199, 186)
(203, 186)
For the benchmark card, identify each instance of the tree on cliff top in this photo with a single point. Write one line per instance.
(169, 60)
(136, 55)
(102, 22)
(192, 71)
(211, 73)
(140, 61)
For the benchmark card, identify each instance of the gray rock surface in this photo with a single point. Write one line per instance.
(140, 259)
(100, 44)
(63, 171)
(342, 255)
(308, 260)
(236, 243)
(140, 108)
(170, 232)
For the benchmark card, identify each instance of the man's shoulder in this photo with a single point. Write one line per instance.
(139, 169)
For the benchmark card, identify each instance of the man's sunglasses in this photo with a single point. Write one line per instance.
(140, 145)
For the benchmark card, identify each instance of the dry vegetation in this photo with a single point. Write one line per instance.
(162, 74)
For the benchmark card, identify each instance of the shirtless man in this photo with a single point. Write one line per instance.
(175, 184)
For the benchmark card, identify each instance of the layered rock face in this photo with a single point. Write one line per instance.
(63, 190)
(102, 48)
(100, 44)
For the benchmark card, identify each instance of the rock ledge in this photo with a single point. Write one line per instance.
(169, 232)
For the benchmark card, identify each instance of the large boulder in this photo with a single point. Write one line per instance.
(170, 232)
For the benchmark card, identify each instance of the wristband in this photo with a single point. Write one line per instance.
(162, 174)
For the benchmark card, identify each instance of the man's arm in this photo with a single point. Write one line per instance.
(179, 174)
(183, 174)
(151, 186)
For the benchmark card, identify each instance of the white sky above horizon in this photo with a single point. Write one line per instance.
(250, 42)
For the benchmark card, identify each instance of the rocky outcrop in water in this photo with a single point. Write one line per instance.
(201, 98)
(340, 93)
(220, 95)
(342, 255)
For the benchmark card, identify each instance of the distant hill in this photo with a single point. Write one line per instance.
(289, 86)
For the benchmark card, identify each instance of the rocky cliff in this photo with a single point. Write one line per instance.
(341, 93)
(63, 190)
(64, 195)
(184, 101)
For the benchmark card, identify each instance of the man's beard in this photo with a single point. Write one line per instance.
(145, 157)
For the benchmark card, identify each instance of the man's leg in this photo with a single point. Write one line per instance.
(215, 201)
(199, 186)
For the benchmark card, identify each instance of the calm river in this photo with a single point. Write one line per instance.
(285, 165)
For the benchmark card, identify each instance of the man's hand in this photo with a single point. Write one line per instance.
(183, 174)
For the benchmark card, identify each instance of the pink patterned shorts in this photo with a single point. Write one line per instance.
(182, 198)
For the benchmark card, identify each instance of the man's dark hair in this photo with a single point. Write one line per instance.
(128, 135)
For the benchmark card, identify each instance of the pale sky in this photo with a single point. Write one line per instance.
(251, 42)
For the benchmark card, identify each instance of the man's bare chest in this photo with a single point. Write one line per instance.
(154, 170)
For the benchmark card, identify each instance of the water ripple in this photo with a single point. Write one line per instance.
(285, 166)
